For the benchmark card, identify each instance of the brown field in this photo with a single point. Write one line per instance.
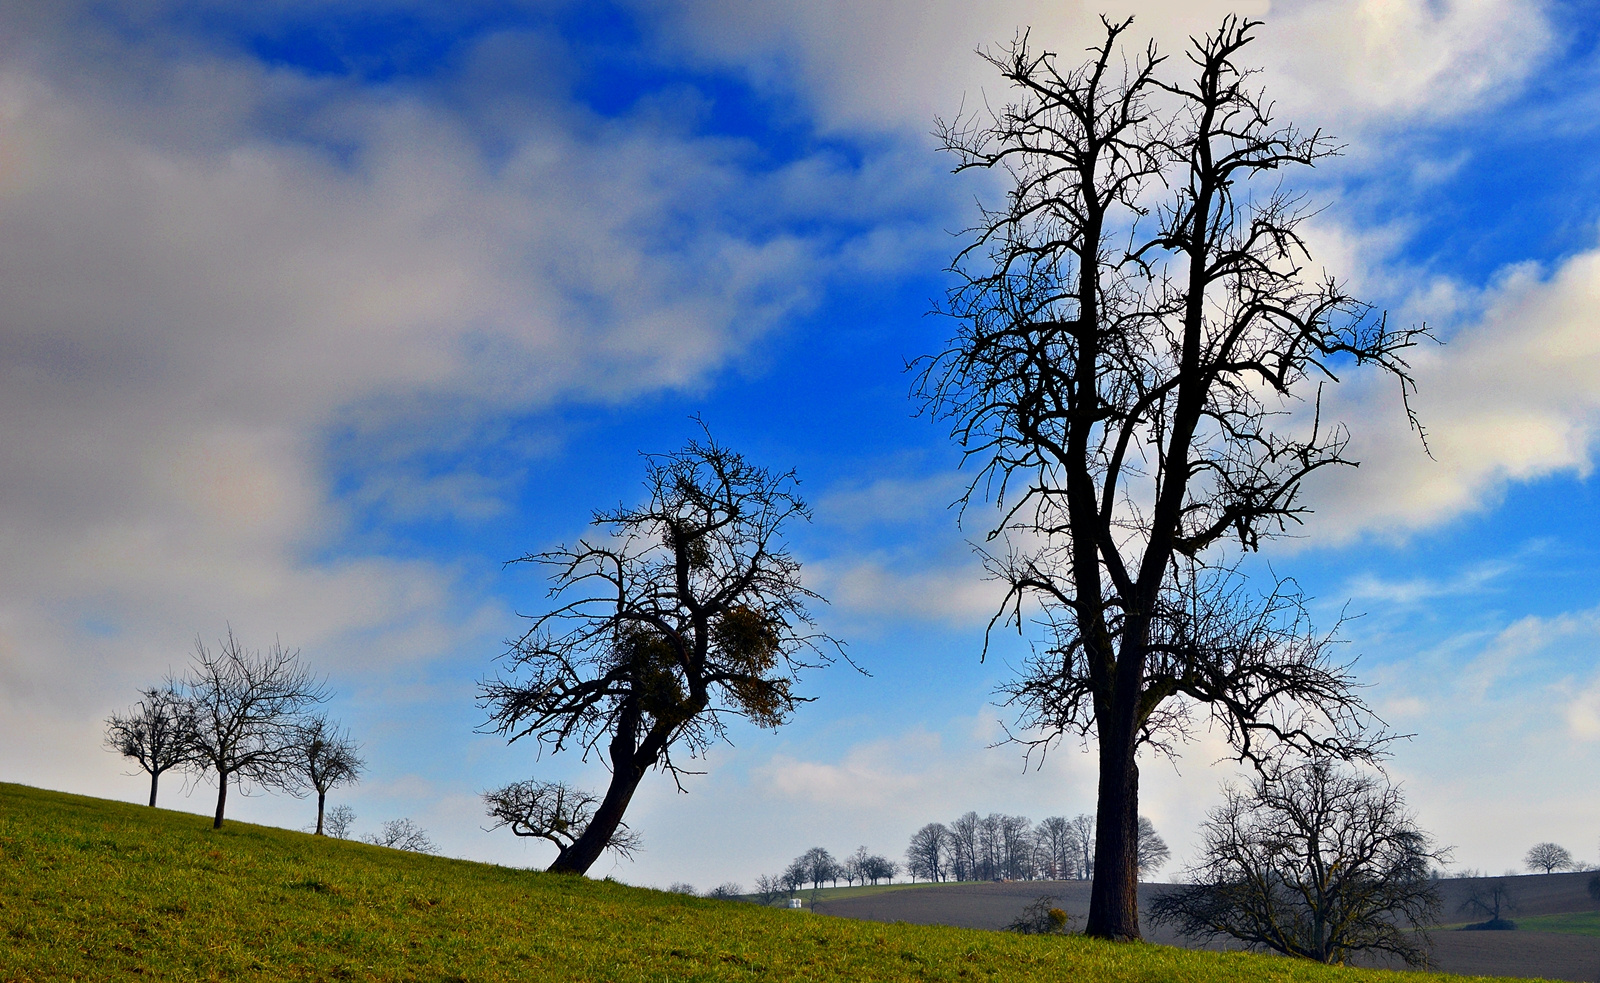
(1531, 954)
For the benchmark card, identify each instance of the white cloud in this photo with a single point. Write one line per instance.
(209, 264)
(1512, 396)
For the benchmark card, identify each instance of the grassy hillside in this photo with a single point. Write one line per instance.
(96, 890)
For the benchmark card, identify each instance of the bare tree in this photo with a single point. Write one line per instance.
(1549, 857)
(340, 819)
(770, 887)
(1315, 861)
(817, 865)
(247, 710)
(1136, 383)
(1082, 827)
(690, 611)
(324, 758)
(964, 847)
(1153, 851)
(156, 733)
(876, 867)
(1493, 902)
(928, 853)
(402, 834)
(729, 891)
(1055, 845)
(553, 811)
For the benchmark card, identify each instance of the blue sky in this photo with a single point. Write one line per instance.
(318, 313)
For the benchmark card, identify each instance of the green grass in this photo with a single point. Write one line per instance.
(96, 890)
(1571, 923)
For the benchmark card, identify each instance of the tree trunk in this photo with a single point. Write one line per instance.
(155, 776)
(322, 797)
(222, 799)
(586, 849)
(1114, 893)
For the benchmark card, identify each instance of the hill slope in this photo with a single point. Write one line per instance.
(97, 890)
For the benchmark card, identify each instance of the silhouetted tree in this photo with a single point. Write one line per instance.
(157, 733)
(876, 867)
(817, 865)
(769, 887)
(1153, 852)
(1126, 380)
(926, 856)
(324, 758)
(964, 847)
(553, 811)
(402, 834)
(729, 891)
(340, 819)
(1493, 902)
(688, 610)
(1053, 841)
(247, 708)
(1549, 857)
(1314, 861)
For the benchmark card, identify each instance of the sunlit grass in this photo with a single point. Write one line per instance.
(96, 890)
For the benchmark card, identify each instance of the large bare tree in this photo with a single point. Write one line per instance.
(1314, 861)
(156, 733)
(1137, 379)
(685, 611)
(248, 709)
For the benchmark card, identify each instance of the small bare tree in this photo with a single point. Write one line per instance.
(690, 611)
(1549, 857)
(402, 834)
(1153, 850)
(1314, 861)
(157, 733)
(324, 758)
(340, 820)
(1136, 381)
(247, 709)
(1492, 902)
(553, 811)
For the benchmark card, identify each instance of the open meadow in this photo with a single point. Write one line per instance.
(99, 890)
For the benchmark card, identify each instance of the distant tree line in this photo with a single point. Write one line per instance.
(1001, 847)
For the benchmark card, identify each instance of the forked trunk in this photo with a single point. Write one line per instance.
(322, 797)
(1114, 894)
(222, 799)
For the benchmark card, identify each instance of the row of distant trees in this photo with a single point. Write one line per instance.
(1001, 847)
(817, 866)
(244, 718)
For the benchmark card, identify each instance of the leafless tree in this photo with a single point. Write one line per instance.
(1549, 857)
(877, 868)
(1153, 851)
(770, 887)
(553, 811)
(1082, 830)
(402, 834)
(156, 733)
(729, 891)
(324, 758)
(965, 852)
(1492, 902)
(817, 865)
(928, 855)
(1315, 861)
(340, 819)
(1054, 843)
(688, 612)
(1136, 380)
(681, 887)
(247, 708)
